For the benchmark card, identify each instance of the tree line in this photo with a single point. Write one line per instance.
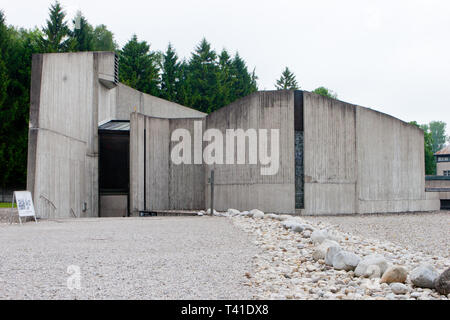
(206, 81)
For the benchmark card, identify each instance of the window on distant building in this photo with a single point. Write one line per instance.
(447, 173)
(443, 159)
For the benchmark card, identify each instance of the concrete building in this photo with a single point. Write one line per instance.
(441, 182)
(100, 148)
(443, 162)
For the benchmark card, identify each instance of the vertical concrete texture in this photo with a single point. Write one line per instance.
(242, 186)
(329, 156)
(63, 157)
(167, 186)
(358, 160)
(186, 181)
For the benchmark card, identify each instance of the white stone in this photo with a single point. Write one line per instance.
(233, 212)
(331, 254)
(318, 236)
(259, 214)
(321, 250)
(399, 288)
(373, 259)
(424, 276)
(345, 260)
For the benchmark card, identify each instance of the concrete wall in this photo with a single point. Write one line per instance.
(329, 155)
(167, 186)
(358, 160)
(129, 100)
(242, 186)
(441, 166)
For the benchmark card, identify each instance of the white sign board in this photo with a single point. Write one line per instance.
(24, 204)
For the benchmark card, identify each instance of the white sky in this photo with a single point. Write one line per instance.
(393, 56)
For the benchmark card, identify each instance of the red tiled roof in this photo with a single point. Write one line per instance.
(446, 150)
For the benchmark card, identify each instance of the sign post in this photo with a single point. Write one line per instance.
(24, 205)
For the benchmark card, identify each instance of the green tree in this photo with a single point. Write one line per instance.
(326, 92)
(244, 82)
(437, 129)
(139, 67)
(56, 31)
(16, 48)
(4, 37)
(203, 78)
(430, 161)
(82, 34)
(170, 68)
(103, 39)
(287, 81)
(226, 79)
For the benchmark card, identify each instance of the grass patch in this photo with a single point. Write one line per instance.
(7, 205)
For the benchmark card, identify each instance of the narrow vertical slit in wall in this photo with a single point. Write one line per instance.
(145, 166)
(299, 147)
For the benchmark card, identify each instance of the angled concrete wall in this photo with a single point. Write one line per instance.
(128, 100)
(63, 144)
(242, 186)
(358, 160)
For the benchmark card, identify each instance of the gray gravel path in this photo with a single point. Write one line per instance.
(427, 232)
(134, 258)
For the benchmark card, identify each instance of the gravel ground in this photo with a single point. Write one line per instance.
(426, 232)
(291, 264)
(133, 258)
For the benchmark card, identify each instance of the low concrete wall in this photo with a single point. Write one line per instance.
(129, 100)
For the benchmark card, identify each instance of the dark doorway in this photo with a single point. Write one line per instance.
(114, 169)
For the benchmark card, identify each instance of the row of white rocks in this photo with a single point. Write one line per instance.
(313, 261)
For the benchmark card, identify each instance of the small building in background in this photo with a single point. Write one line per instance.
(443, 162)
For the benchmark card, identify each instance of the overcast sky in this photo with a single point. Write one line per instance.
(392, 56)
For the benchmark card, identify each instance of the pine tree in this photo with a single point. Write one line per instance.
(4, 79)
(203, 78)
(226, 79)
(287, 81)
(103, 39)
(56, 30)
(139, 67)
(245, 82)
(170, 74)
(82, 34)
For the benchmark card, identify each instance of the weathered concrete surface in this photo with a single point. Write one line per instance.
(242, 186)
(130, 100)
(63, 161)
(329, 155)
(358, 160)
(168, 186)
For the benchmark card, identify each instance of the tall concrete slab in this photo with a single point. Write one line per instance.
(242, 186)
(63, 144)
(186, 180)
(329, 155)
